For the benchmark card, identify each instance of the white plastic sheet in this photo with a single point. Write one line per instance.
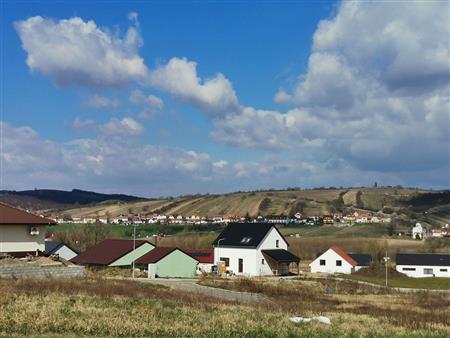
(321, 319)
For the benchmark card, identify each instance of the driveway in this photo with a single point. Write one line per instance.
(191, 285)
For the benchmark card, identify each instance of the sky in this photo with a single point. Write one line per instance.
(167, 98)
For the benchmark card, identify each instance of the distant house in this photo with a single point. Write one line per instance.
(59, 248)
(423, 265)
(205, 258)
(113, 252)
(335, 260)
(418, 232)
(168, 262)
(21, 232)
(254, 249)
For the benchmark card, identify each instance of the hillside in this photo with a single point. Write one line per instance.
(44, 199)
(401, 202)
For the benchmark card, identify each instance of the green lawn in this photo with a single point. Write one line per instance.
(404, 282)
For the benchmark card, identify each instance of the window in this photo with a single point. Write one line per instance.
(262, 261)
(427, 271)
(226, 260)
(322, 262)
(246, 240)
(443, 270)
(409, 269)
(338, 262)
(277, 243)
(240, 265)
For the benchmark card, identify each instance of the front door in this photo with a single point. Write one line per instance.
(241, 265)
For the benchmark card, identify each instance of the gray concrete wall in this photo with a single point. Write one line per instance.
(41, 271)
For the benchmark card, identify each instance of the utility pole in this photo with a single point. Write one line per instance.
(134, 248)
(386, 259)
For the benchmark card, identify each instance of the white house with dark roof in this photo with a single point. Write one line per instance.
(423, 265)
(21, 232)
(253, 249)
(335, 260)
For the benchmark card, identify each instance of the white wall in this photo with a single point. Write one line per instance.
(204, 267)
(419, 270)
(247, 254)
(269, 242)
(330, 257)
(17, 238)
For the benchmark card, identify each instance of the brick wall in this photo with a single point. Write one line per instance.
(41, 271)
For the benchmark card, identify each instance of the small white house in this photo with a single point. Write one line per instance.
(253, 249)
(417, 231)
(335, 260)
(424, 265)
(21, 232)
(59, 248)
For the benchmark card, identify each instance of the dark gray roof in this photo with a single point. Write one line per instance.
(247, 235)
(361, 259)
(281, 255)
(423, 259)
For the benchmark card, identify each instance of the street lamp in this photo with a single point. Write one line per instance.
(386, 259)
(218, 247)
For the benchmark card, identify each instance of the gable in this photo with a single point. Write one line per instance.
(332, 255)
(269, 241)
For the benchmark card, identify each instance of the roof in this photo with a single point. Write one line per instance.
(13, 216)
(52, 246)
(344, 256)
(106, 252)
(361, 259)
(281, 255)
(247, 235)
(202, 255)
(157, 254)
(423, 259)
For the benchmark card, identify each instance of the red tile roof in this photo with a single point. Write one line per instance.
(346, 257)
(202, 255)
(107, 251)
(14, 216)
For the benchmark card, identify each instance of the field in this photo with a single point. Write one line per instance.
(97, 307)
(404, 282)
(272, 202)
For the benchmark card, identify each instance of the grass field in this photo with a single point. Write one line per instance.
(404, 282)
(96, 307)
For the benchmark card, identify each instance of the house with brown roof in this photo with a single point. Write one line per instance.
(336, 260)
(114, 252)
(168, 262)
(21, 232)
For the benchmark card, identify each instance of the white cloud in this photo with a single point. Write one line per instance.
(179, 77)
(102, 102)
(76, 52)
(138, 98)
(123, 127)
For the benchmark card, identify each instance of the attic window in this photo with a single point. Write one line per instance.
(246, 240)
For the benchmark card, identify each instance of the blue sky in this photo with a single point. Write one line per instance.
(167, 98)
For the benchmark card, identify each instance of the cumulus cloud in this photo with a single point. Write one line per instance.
(102, 102)
(121, 127)
(75, 52)
(377, 99)
(179, 77)
(138, 98)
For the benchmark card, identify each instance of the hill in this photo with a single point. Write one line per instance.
(43, 199)
(399, 202)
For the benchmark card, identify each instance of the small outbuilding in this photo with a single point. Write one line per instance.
(168, 262)
(59, 248)
(423, 265)
(335, 260)
(113, 252)
(205, 258)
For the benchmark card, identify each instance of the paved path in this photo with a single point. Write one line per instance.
(191, 285)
